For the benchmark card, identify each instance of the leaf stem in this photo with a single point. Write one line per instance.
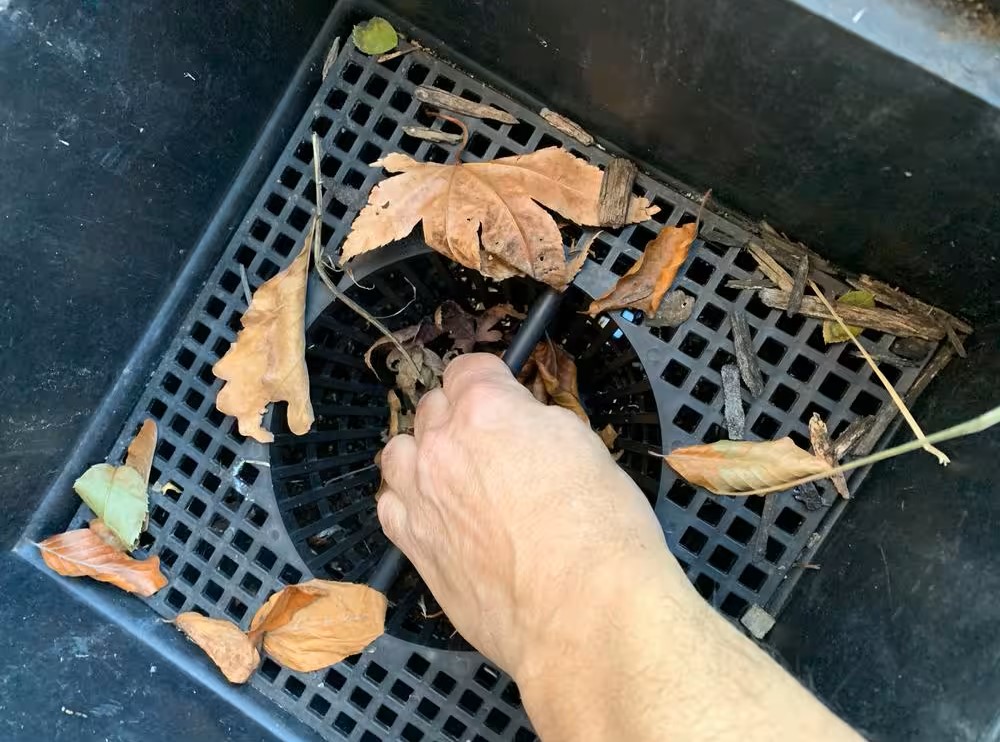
(904, 410)
(457, 155)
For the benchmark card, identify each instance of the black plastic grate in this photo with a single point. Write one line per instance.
(241, 525)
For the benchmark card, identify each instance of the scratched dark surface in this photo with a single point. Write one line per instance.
(112, 161)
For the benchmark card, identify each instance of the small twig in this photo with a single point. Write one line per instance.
(331, 57)
(389, 56)
(451, 102)
(246, 284)
(798, 287)
(766, 518)
(566, 126)
(897, 400)
(746, 359)
(852, 434)
(457, 154)
(750, 284)
(822, 447)
(317, 251)
(769, 266)
(432, 135)
(733, 402)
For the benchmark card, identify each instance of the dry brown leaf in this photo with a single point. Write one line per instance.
(229, 648)
(459, 325)
(487, 216)
(106, 535)
(82, 553)
(557, 370)
(733, 467)
(141, 449)
(608, 435)
(489, 319)
(267, 362)
(649, 279)
(340, 620)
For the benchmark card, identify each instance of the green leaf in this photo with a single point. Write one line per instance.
(832, 331)
(376, 36)
(117, 495)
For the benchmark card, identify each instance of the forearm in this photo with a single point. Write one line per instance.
(648, 659)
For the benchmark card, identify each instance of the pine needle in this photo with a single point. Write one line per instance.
(903, 409)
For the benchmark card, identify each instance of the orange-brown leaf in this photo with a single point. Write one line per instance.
(557, 370)
(228, 647)
(267, 362)
(82, 553)
(104, 532)
(340, 620)
(735, 467)
(650, 278)
(141, 449)
(488, 216)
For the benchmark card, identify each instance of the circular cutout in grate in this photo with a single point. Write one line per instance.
(324, 481)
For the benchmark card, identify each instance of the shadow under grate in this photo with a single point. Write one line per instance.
(236, 532)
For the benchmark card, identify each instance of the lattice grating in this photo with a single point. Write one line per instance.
(226, 542)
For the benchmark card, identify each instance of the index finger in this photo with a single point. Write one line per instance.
(475, 369)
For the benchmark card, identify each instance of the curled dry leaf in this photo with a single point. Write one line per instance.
(83, 553)
(735, 467)
(267, 362)
(318, 623)
(557, 371)
(230, 649)
(487, 216)
(647, 281)
(140, 451)
(488, 320)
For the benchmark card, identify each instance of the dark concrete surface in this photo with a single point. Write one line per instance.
(67, 673)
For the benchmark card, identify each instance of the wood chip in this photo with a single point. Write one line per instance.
(822, 446)
(674, 310)
(331, 57)
(567, 127)
(616, 192)
(745, 357)
(883, 320)
(893, 297)
(852, 434)
(750, 284)
(954, 339)
(450, 102)
(769, 266)
(885, 356)
(914, 349)
(766, 519)
(788, 253)
(432, 135)
(798, 287)
(810, 497)
(405, 48)
(733, 400)
(888, 412)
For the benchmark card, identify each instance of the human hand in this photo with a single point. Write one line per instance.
(515, 515)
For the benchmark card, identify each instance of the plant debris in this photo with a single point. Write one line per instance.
(487, 216)
(733, 402)
(810, 497)
(374, 36)
(230, 649)
(266, 363)
(451, 102)
(832, 332)
(770, 267)
(823, 448)
(647, 281)
(853, 433)
(798, 287)
(432, 135)
(85, 552)
(767, 516)
(316, 624)
(883, 320)
(746, 359)
(118, 495)
(616, 192)
(566, 126)
(556, 371)
(737, 468)
(675, 309)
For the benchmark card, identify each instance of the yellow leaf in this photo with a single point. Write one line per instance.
(832, 331)
(267, 362)
(488, 216)
(341, 619)
(228, 647)
(734, 467)
(82, 553)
